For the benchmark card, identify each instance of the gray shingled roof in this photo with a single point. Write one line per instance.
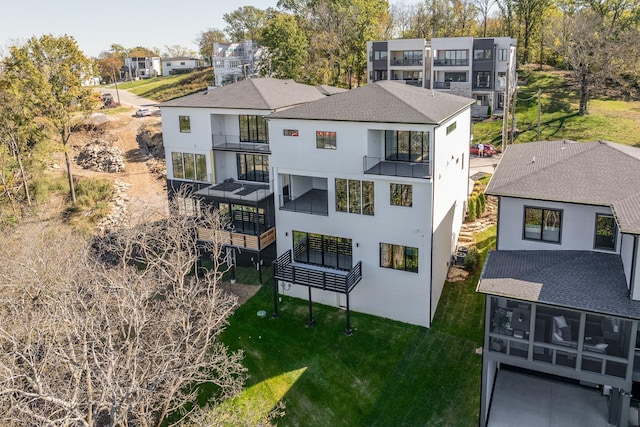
(595, 173)
(253, 94)
(583, 280)
(382, 102)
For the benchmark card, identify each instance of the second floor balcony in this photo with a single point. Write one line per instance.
(234, 143)
(389, 167)
(452, 62)
(314, 201)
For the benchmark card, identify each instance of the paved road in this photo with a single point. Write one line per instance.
(128, 98)
(483, 164)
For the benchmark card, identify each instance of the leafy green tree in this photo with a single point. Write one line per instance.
(109, 65)
(176, 50)
(287, 47)
(49, 71)
(205, 41)
(246, 22)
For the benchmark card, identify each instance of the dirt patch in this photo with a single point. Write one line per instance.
(243, 292)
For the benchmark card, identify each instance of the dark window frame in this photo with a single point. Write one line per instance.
(544, 212)
(185, 124)
(253, 128)
(355, 196)
(401, 195)
(322, 250)
(399, 257)
(614, 233)
(326, 140)
(407, 146)
(191, 166)
(252, 167)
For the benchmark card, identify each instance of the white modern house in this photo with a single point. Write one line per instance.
(140, 67)
(563, 287)
(179, 65)
(478, 68)
(217, 145)
(236, 61)
(370, 187)
(403, 60)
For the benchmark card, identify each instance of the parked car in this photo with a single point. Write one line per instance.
(143, 112)
(489, 150)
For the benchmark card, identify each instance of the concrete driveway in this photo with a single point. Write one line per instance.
(129, 99)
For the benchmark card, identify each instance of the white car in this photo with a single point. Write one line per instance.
(143, 112)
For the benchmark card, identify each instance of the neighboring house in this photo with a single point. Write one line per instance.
(233, 62)
(140, 68)
(217, 144)
(402, 60)
(475, 67)
(179, 65)
(563, 286)
(371, 185)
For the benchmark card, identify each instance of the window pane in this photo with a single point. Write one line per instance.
(606, 231)
(341, 195)
(263, 133)
(532, 223)
(390, 144)
(189, 166)
(367, 197)
(401, 195)
(403, 145)
(411, 259)
(253, 128)
(300, 246)
(178, 169)
(242, 167)
(398, 257)
(354, 196)
(185, 124)
(417, 147)
(201, 167)
(385, 255)
(244, 127)
(551, 230)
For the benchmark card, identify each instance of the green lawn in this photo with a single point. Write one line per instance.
(386, 373)
(164, 88)
(609, 119)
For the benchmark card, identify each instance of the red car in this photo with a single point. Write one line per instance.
(489, 150)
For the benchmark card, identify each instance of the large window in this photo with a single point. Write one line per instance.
(185, 124)
(606, 230)
(401, 194)
(253, 167)
(482, 54)
(326, 251)
(189, 166)
(246, 219)
(326, 140)
(354, 196)
(455, 77)
(253, 128)
(503, 54)
(399, 257)
(406, 146)
(187, 206)
(483, 79)
(542, 224)
(453, 57)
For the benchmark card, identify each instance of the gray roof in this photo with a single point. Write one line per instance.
(382, 102)
(253, 94)
(582, 280)
(594, 173)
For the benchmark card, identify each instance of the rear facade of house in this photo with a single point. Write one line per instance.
(563, 287)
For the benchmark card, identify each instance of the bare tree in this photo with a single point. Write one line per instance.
(483, 7)
(120, 332)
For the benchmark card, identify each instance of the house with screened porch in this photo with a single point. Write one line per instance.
(563, 287)
(370, 187)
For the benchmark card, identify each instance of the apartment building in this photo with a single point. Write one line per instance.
(370, 187)
(562, 288)
(236, 61)
(402, 60)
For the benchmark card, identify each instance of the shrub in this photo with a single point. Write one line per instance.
(471, 209)
(479, 207)
(471, 260)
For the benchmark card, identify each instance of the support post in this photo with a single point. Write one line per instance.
(310, 322)
(348, 331)
(275, 298)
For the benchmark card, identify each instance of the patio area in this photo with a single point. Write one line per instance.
(530, 401)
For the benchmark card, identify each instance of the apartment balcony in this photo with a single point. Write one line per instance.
(437, 62)
(233, 143)
(417, 83)
(407, 62)
(314, 201)
(442, 85)
(237, 191)
(406, 169)
(325, 278)
(236, 239)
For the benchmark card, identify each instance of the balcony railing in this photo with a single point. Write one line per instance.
(314, 202)
(440, 62)
(233, 143)
(381, 166)
(240, 240)
(316, 277)
(407, 62)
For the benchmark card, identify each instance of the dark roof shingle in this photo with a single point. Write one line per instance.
(382, 102)
(254, 94)
(582, 280)
(595, 173)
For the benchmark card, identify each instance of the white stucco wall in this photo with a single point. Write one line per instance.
(577, 230)
(394, 294)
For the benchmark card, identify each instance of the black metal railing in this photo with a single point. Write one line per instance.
(451, 62)
(336, 280)
(407, 169)
(233, 143)
(311, 202)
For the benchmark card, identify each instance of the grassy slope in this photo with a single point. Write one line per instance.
(386, 373)
(164, 88)
(611, 120)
